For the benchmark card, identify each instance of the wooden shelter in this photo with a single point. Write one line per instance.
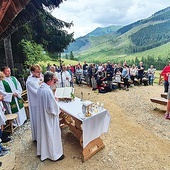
(14, 14)
(9, 9)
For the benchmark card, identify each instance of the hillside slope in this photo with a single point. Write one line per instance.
(141, 36)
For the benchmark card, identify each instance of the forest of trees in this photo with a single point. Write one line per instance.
(150, 37)
(158, 63)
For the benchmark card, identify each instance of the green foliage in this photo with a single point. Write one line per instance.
(71, 56)
(151, 36)
(66, 56)
(34, 52)
(44, 29)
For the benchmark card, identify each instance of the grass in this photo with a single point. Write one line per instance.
(65, 62)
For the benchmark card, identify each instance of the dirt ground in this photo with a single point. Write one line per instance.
(138, 136)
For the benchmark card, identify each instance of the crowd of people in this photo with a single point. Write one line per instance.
(99, 76)
(43, 105)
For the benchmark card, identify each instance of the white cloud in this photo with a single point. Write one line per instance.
(88, 15)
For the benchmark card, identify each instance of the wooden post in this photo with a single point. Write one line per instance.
(8, 52)
(161, 79)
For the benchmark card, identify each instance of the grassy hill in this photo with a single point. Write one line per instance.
(99, 35)
(147, 37)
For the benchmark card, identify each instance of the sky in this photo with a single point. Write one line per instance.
(87, 15)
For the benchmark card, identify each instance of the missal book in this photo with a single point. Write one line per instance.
(64, 93)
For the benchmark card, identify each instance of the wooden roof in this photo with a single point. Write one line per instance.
(9, 9)
(12, 15)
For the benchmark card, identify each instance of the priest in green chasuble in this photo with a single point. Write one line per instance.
(11, 89)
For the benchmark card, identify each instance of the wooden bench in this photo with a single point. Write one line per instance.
(164, 95)
(157, 100)
(10, 118)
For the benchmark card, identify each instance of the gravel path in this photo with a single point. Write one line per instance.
(138, 136)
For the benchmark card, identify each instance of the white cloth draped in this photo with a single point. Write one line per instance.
(32, 85)
(49, 143)
(92, 126)
(8, 98)
(2, 116)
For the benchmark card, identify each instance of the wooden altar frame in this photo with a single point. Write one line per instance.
(74, 125)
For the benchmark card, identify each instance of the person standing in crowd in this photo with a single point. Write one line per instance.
(140, 70)
(3, 150)
(109, 74)
(93, 76)
(165, 72)
(118, 77)
(3, 136)
(56, 82)
(167, 114)
(133, 73)
(85, 65)
(151, 74)
(64, 77)
(49, 143)
(125, 75)
(71, 74)
(79, 75)
(100, 69)
(48, 67)
(11, 89)
(32, 84)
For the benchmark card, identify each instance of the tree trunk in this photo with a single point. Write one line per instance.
(8, 52)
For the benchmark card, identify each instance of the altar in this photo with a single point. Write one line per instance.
(87, 129)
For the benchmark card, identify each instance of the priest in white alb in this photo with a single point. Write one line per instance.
(11, 89)
(32, 84)
(49, 143)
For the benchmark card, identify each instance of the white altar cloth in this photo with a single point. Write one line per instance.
(92, 126)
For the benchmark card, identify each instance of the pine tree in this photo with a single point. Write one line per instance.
(71, 56)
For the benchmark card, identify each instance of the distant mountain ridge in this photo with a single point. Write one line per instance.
(116, 42)
(82, 43)
(103, 31)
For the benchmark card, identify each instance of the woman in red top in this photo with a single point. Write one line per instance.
(165, 73)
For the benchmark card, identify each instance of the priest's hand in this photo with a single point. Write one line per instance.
(1, 97)
(56, 99)
(15, 94)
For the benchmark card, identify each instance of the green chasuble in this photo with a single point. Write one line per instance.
(13, 104)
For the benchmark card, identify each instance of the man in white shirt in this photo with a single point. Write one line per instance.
(64, 77)
(49, 143)
(11, 89)
(32, 84)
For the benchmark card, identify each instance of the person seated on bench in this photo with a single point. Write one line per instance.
(102, 87)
